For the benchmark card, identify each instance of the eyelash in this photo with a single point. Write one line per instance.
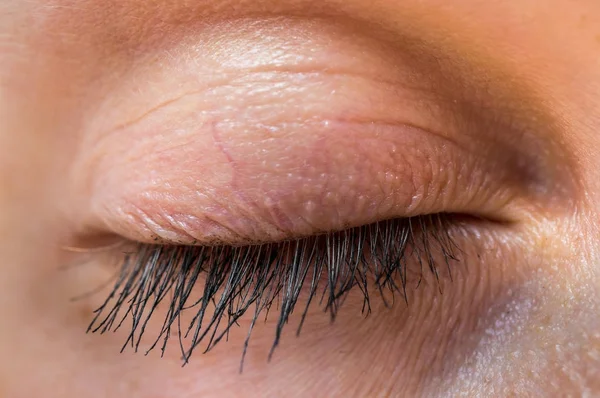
(372, 257)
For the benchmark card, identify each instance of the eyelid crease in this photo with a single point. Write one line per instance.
(246, 77)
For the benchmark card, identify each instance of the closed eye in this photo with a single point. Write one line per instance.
(284, 190)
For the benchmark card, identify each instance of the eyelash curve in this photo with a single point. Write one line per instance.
(371, 258)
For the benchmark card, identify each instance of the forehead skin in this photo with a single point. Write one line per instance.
(60, 58)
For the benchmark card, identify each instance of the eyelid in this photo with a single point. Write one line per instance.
(272, 156)
(285, 180)
(282, 189)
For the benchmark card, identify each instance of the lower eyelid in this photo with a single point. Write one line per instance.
(385, 258)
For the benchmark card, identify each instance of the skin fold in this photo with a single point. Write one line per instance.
(238, 122)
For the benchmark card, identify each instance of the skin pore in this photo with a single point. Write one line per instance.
(235, 122)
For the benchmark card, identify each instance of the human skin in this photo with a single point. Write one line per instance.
(228, 122)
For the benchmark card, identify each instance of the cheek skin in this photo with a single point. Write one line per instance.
(546, 326)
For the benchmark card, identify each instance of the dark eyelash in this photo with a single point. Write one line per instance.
(371, 258)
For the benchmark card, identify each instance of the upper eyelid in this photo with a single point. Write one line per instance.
(152, 217)
(467, 88)
(485, 123)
